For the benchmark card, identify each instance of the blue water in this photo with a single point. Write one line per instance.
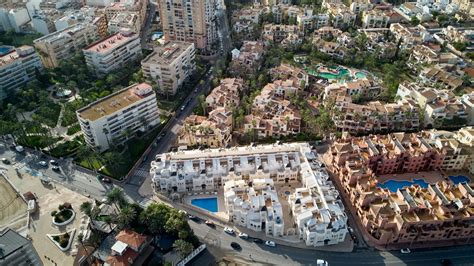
(459, 179)
(394, 185)
(4, 50)
(209, 204)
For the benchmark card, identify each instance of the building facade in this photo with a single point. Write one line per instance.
(189, 21)
(113, 119)
(170, 65)
(61, 45)
(250, 176)
(113, 52)
(17, 67)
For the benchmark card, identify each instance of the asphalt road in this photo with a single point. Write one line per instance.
(218, 243)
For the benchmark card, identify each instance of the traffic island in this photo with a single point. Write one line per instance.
(64, 240)
(65, 215)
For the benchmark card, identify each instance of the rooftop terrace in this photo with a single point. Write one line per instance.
(115, 102)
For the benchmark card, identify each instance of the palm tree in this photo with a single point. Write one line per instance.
(126, 216)
(86, 208)
(116, 197)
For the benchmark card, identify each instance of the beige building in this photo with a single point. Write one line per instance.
(189, 21)
(61, 45)
(126, 20)
(374, 19)
(227, 94)
(137, 7)
(17, 67)
(214, 131)
(421, 212)
(170, 65)
(119, 116)
(113, 52)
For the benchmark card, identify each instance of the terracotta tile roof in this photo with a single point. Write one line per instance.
(131, 238)
(126, 259)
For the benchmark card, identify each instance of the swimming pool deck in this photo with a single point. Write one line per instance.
(221, 210)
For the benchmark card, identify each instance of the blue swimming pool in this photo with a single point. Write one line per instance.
(459, 179)
(394, 185)
(5, 49)
(208, 204)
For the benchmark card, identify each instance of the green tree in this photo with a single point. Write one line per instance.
(414, 21)
(126, 216)
(183, 247)
(116, 197)
(155, 217)
(86, 208)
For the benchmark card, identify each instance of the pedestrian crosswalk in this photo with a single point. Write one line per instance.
(141, 172)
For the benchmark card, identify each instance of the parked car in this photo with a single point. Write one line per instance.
(5, 161)
(55, 168)
(183, 107)
(405, 250)
(258, 241)
(235, 245)
(270, 243)
(243, 235)
(229, 231)
(53, 162)
(43, 163)
(320, 262)
(209, 223)
(19, 148)
(106, 180)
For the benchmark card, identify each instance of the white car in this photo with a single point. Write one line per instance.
(320, 262)
(270, 243)
(53, 162)
(229, 231)
(405, 250)
(43, 163)
(243, 235)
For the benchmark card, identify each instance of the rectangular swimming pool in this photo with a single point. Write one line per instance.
(208, 204)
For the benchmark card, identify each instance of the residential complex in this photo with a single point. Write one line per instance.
(247, 60)
(61, 45)
(113, 52)
(169, 65)
(253, 179)
(190, 21)
(227, 94)
(118, 116)
(273, 115)
(126, 20)
(17, 67)
(428, 209)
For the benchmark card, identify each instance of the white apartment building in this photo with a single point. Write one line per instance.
(113, 52)
(13, 19)
(118, 116)
(170, 65)
(17, 67)
(256, 207)
(374, 19)
(61, 45)
(341, 15)
(317, 212)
